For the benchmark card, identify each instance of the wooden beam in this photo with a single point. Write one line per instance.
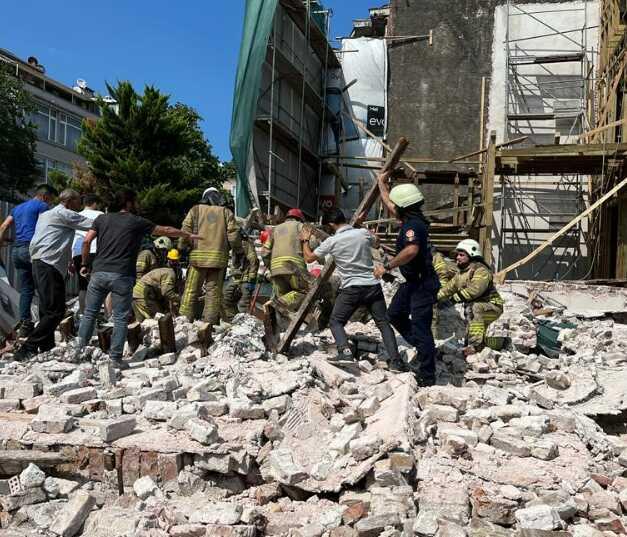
(134, 336)
(314, 292)
(621, 240)
(485, 149)
(487, 193)
(166, 334)
(500, 276)
(601, 129)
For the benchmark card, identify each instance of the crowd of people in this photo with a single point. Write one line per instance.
(131, 267)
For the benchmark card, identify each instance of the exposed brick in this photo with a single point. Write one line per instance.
(149, 465)
(96, 464)
(170, 465)
(130, 465)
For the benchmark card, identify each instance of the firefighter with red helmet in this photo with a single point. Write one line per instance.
(283, 254)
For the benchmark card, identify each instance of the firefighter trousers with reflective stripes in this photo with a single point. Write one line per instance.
(480, 315)
(147, 308)
(230, 298)
(290, 290)
(213, 281)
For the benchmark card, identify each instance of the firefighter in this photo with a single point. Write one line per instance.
(474, 287)
(157, 291)
(241, 286)
(288, 270)
(152, 256)
(446, 270)
(411, 309)
(209, 256)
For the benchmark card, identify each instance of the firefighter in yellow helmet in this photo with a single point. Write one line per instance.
(474, 287)
(209, 256)
(157, 291)
(283, 252)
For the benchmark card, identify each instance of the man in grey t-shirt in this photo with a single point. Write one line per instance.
(351, 249)
(51, 252)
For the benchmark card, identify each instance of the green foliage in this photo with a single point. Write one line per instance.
(81, 179)
(18, 167)
(152, 147)
(59, 180)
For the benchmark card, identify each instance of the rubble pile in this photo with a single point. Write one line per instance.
(240, 443)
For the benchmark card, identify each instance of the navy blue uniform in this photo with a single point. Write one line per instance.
(411, 309)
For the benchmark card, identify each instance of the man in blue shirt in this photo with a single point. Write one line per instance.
(24, 217)
(411, 309)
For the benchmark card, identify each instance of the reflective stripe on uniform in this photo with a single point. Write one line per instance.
(191, 292)
(287, 261)
(212, 258)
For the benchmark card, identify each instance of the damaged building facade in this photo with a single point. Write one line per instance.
(445, 76)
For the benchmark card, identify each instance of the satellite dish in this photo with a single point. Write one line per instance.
(81, 83)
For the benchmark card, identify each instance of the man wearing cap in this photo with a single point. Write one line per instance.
(283, 253)
(474, 287)
(157, 291)
(411, 309)
(209, 256)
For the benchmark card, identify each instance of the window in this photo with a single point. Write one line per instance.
(46, 165)
(57, 127)
(40, 119)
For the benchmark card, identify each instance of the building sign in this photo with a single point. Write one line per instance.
(327, 203)
(376, 120)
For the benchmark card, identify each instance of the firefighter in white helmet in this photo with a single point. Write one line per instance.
(474, 287)
(411, 309)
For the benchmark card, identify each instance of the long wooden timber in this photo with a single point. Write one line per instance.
(365, 205)
(585, 159)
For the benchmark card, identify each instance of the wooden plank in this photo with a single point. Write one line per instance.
(134, 336)
(205, 338)
(329, 267)
(104, 338)
(621, 240)
(500, 276)
(166, 334)
(485, 149)
(487, 193)
(601, 129)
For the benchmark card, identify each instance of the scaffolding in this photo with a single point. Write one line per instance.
(292, 107)
(608, 229)
(548, 67)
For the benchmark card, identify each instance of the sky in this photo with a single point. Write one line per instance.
(188, 49)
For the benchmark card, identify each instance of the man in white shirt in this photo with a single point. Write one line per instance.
(91, 203)
(351, 249)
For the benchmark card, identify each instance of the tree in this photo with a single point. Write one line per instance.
(18, 167)
(152, 147)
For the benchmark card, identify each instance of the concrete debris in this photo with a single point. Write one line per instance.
(70, 520)
(236, 442)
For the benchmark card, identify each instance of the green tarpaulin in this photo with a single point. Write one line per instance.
(257, 27)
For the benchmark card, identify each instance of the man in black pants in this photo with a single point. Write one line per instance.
(411, 309)
(352, 250)
(51, 254)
